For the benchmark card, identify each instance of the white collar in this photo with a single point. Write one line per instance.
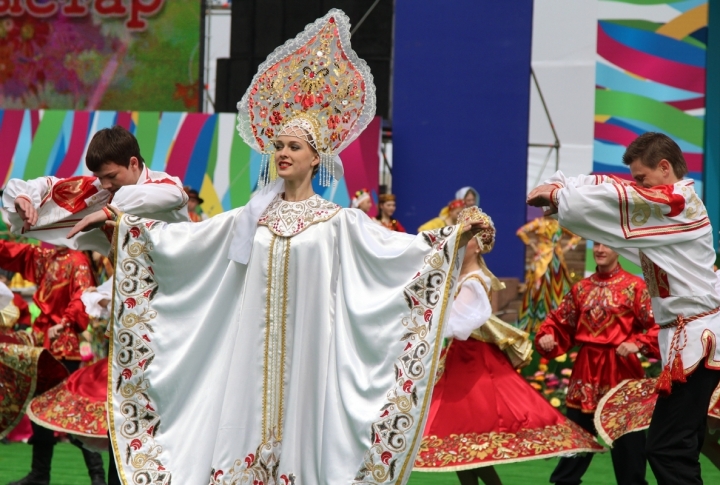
(247, 220)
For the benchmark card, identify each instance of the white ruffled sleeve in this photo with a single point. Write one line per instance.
(6, 295)
(92, 299)
(561, 180)
(470, 311)
(35, 190)
(150, 198)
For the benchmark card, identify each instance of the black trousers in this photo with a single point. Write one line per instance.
(628, 456)
(677, 429)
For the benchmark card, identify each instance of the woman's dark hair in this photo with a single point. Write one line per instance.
(650, 148)
(116, 145)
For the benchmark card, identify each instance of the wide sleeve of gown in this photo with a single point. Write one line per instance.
(313, 363)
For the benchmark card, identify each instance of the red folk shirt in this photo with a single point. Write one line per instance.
(25, 317)
(393, 225)
(598, 314)
(61, 276)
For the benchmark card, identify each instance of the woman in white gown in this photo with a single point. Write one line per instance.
(288, 341)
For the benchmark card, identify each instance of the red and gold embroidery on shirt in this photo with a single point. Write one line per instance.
(643, 211)
(71, 193)
(656, 278)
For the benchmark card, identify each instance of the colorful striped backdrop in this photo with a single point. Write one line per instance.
(204, 150)
(651, 58)
(650, 77)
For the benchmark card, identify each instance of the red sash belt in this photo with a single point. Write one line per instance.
(674, 370)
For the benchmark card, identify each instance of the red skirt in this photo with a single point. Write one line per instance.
(24, 373)
(77, 405)
(484, 413)
(630, 405)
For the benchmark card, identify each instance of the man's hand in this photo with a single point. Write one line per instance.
(540, 197)
(547, 343)
(27, 212)
(627, 348)
(54, 331)
(90, 221)
(118, 215)
(468, 231)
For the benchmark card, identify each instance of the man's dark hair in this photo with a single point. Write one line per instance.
(115, 145)
(650, 148)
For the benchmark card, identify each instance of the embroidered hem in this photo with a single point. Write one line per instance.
(60, 410)
(24, 372)
(473, 450)
(626, 408)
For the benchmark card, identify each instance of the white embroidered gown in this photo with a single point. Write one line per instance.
(313, 364)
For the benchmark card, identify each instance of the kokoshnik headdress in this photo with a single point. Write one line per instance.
(485, 239)
(360, 196)
(313, 87)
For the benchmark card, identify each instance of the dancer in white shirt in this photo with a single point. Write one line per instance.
(660, 223)
(71, 212)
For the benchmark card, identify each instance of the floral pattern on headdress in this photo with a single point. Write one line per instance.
(360, 196)
(456, 204)
(314, 81)
(486, 236)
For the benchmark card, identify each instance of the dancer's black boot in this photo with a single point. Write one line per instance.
(40, 469)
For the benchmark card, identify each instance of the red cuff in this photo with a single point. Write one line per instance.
(554, 198)
(24, 196)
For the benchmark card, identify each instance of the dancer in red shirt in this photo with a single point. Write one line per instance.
(609, 316)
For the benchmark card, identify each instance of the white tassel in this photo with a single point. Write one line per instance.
(264, 177)
(327, 170)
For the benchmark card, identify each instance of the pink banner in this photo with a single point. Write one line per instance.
(665, 71)
(361, 160)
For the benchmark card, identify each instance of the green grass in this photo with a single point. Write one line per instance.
(538, 472)
(69, 469)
